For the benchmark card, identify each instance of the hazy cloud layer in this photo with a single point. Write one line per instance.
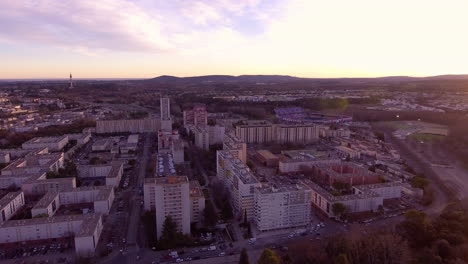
(125, 25)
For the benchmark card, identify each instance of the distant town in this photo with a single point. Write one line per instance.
(216, 169)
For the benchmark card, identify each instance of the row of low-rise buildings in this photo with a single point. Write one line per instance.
(28, 171)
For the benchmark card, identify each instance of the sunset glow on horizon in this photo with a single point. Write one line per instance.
(304, 38)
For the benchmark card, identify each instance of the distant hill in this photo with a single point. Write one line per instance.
(223, 79)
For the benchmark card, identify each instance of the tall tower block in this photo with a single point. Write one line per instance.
(166, 121)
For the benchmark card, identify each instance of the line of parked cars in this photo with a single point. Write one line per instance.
(32, 251)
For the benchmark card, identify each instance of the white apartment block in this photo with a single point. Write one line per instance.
(34, 164)
(197, 116)
(10, 204)
(101, 197)
(216, 134)
(261, 131)
(172, 198)
(5, 157)
(128, 126)
(296, 134)
(86, 230)
(235, 146)
(81, 139)
(39, 184)
(284, 207)
(165, 105)
(166, 121)
(112, 172)
(365, 198)
(197, 202)
(255, 131)
(202, 137)
(241, 183)
(52, 143)
(197, 198)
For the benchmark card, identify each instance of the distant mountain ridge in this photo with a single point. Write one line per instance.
(224, 78)
(167, 79)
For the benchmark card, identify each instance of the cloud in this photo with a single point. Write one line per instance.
(83, 25)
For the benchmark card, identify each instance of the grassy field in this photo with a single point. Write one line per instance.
(426, 138)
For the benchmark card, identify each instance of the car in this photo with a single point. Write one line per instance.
(188, 259)
(222, 254)
(179, 260)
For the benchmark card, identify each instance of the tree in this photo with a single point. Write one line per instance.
(244, 258)
(269, 257)
(417, 229)
(341, 259)
(419, 182)
(226, 210)
(339, 209)
(169, 233)
(209, 215)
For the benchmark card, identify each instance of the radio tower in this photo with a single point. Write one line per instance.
(71, 81)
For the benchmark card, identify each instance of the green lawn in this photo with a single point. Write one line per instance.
(426, 138)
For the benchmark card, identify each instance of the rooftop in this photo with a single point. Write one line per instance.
(328, 196)
(46, 139)
(304, 155)
(195, 189)
(165, 165)
(87, 227)
(168, 180)
(46, 200)
(283, 188)
(6, 199)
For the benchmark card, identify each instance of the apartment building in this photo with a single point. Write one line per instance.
(52, 143)
(286, 206)
(239, 180)
(10, 204)
(166, 121)
(261, 131)
(255, 131)
(296, 134)
(169, 196)
(128, 126)
(197, 202)
(172, 198)
(34, 163)
(112, 172)
(86, 230)
(295, 161)
(235, 146)
(197, 116)
(202, 137)
(101, 197)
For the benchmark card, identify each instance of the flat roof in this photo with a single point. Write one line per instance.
(267, 154)
(6, 199)
(195, 189)
(88, 225)
(305, 155)
(165, 165)
(328, 196)
(171, 180)
(46, 200)
(283, 188)
(46, 139)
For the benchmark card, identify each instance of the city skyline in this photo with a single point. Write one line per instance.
(144, 39)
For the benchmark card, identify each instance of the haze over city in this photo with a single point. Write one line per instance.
(304, 38)
(233, 132)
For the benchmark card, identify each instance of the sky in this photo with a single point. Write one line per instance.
(305, 38)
